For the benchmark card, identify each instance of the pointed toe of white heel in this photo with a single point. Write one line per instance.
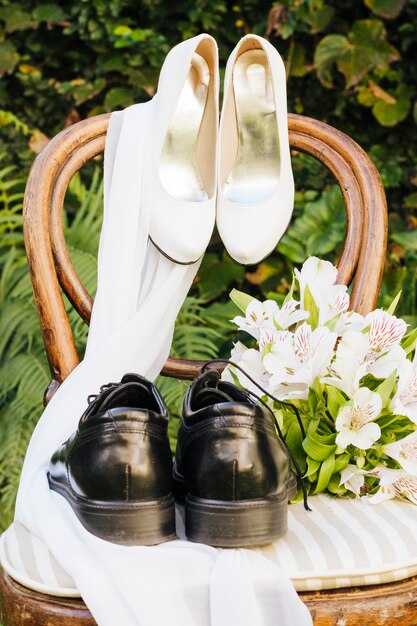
(255, 195)
(184, 167)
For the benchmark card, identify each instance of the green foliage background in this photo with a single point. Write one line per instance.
(350, 63)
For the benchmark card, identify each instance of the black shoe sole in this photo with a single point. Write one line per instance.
(141, 523)
(235, 524)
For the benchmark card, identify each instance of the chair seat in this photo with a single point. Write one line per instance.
(341, 543)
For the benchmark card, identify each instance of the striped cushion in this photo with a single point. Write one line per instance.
(341, 543)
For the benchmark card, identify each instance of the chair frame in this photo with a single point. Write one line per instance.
(361, 262)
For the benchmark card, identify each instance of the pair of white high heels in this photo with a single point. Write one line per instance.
(237, 173)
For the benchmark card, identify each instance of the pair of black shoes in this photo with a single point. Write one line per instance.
(117, 473)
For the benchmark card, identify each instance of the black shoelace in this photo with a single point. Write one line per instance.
(93, 396)
(279, 402)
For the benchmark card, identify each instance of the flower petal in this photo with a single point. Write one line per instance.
(366, 436)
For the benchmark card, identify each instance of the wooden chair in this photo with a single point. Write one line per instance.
(362, 262)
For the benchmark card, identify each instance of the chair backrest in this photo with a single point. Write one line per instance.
(362, 259)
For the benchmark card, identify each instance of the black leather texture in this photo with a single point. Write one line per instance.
(228, 449)
(120, 451)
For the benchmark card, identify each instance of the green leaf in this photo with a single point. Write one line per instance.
(341, 462)
(391, 113)
(329, 50)
(312, 467)
(394, 303)
(319, 447)
(325, 473)
(122, 31)
(322, 226)
(385, 389)
(386, 8)
(49, 13)
(311, 307)
(292, 249)
(211, 268)
(335, 487)
(9, 57)
(294, 440)
(409, 341)
(241, 300)
(407, 239)
(363, 49)
(15, 18)
(335, 399)
(118, 97)
(312, 402)
(319, 17)
(298, 61)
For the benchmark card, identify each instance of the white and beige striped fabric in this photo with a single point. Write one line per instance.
(340, 543)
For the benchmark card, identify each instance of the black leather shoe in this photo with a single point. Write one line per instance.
(116, 469)
(231, 467)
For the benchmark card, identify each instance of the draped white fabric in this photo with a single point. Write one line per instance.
(139, 295)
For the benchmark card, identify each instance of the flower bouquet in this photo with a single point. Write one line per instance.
(345, 385)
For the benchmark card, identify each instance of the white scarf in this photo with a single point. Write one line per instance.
(139, 295)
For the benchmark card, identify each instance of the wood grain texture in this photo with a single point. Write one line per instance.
(362, 261)
(384, 605)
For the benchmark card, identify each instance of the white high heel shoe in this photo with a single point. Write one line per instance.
(255, 197)
(184, 167)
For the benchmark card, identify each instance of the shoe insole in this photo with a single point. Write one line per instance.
(256, 169)
(178, 171)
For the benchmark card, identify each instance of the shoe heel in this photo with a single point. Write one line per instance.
(235, 524)
(131, 524)
(144, 523)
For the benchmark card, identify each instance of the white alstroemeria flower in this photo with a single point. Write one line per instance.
(353, 478)
(349, 366)
(297, 359)
(258, 315)
(349, 321)
(320, 276)
(385, 332)
(406, 487)
(404, 452)
(267, 336)
(405, 400)
(251, 361)
(387, 479)
(287, 315)
(354, 422)
(385, 364)
(394, 483)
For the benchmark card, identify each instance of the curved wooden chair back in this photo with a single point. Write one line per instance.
(51, 269)
(362, 261)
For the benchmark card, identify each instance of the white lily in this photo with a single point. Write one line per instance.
(297, 359)
(404, 451)
(320, 276)
(251, 361)
(405, 400)
(354, 421)
(258, 315)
